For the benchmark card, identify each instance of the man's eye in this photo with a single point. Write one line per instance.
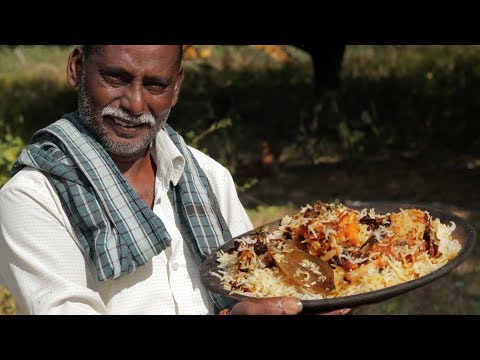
(155, 88)
(113, 80)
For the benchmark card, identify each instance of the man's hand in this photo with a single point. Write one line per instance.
(275, 306)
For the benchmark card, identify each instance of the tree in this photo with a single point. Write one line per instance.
(327, 61)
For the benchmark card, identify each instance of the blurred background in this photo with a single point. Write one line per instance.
(300, 123)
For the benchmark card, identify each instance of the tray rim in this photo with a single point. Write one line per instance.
(328, 304)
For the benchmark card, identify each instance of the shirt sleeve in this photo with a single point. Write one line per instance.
(40, 261)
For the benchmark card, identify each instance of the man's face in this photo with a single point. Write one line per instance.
(126, 93)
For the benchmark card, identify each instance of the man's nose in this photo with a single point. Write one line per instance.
(133, 99)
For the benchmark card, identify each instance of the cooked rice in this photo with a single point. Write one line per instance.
(402, 247)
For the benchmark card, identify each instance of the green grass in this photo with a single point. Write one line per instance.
(264, 214)
(40, 60)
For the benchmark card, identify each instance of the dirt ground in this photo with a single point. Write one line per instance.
(450, 185)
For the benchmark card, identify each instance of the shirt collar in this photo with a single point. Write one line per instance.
(170, 162)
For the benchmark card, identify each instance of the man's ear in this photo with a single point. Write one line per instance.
(75, 66)
(178, 85)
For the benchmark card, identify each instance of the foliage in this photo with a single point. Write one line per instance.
(32, 102)
(415, 98)
(7, 302)
(195, 139)
(420, 98)
(10, 148)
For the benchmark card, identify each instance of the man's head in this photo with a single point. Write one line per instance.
(126, 92)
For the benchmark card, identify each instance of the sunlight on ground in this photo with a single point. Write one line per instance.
(265, 214)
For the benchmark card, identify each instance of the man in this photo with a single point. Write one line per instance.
(109, 211)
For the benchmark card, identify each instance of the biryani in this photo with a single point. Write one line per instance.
(367, 251)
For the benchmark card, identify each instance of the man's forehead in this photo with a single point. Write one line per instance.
(125, 48)
(145, 52)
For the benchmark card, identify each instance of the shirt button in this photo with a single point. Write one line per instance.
(175, 266)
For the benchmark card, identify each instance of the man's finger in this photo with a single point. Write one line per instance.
(338, 312)
(273, 306)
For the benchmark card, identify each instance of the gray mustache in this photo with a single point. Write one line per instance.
(122, 115)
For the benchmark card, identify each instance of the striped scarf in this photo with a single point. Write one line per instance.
(116, 229)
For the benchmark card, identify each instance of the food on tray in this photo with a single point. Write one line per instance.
(367, 251)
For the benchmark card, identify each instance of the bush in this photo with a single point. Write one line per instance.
(28, 104)
(420, 97)
(10, 148)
